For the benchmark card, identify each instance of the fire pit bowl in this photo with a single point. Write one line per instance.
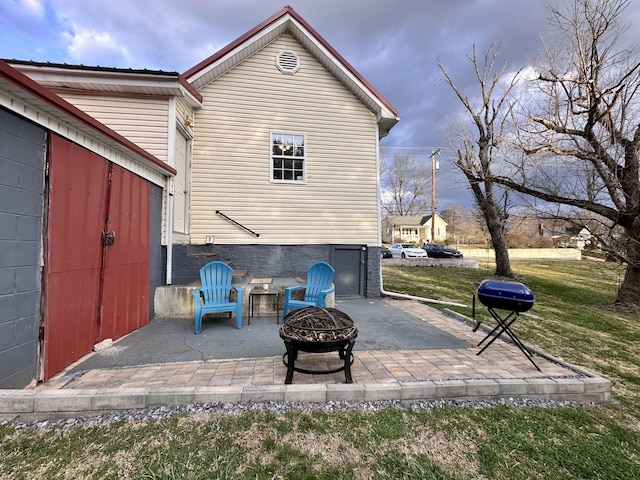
(505, 295)
(318, 330)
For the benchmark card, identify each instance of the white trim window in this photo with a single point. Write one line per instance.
(288, 157)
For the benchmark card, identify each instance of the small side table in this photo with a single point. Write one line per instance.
(263, 293)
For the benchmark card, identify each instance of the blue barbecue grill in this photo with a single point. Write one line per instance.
(514, 297)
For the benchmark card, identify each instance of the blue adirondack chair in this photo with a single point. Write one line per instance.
(214, 295)
(318, 286)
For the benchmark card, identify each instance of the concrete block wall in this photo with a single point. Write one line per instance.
(261, 260)
(157, 253)
(22, 157)
(272, 261)
(373, 286)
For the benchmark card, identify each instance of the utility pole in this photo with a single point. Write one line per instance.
(434, 166)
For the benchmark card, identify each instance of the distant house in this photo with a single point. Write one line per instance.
(574, 236)
(414, 229)
(275, 142)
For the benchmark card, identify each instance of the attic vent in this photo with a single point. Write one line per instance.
(288, 62)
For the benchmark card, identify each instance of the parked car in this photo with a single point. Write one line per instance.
(442, 251)
(386, 253)
(405, 250)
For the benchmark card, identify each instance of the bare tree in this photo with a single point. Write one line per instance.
(405, 184)
(475, 156)
(463, 225)
(582, 144)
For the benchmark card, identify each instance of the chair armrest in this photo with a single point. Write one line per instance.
(239, 290)
(296, 287)
(197, 296)
(323, 293)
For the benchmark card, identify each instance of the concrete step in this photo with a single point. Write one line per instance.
(175, 301)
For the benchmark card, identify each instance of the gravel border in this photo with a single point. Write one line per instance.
(157, 413)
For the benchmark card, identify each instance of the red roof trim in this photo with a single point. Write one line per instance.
(25, 83)
(190, 88)
(258, 28)
(238, 41)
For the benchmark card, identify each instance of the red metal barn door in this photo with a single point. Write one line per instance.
(125, 288)
(78, 182)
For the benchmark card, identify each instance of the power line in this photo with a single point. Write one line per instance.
(411, 148)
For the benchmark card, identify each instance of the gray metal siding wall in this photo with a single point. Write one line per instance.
(157, 252)
(22, 156)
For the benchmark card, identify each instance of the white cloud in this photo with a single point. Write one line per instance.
(31, 8)
(96, 48)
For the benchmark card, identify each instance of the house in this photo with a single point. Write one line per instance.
(275, 141)
(574, 236)
(414, 229)
(80, 232)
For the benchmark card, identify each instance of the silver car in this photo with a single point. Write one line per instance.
(406, 250)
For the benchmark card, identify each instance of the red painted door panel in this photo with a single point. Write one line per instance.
(73, 253)
(125, 298)
(92, 291)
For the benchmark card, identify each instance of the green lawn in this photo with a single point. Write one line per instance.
(504, 442)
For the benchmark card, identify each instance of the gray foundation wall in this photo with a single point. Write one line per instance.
(278, 261)
(374, 265)
(22, 156)
(258, 260)
(157, 253)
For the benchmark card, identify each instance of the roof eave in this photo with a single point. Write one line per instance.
(147, 82)
(41, 98)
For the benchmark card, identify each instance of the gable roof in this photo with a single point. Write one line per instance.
(405, 220)
(43, 100)
(288, 21)
(410, 220)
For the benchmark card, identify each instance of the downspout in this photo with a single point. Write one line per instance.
(413, 297)
(169, 227)
(378, 186)
(171, 149)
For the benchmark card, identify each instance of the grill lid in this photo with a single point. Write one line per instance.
(505, 295)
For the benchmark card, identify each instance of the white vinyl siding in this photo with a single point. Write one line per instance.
(231, 156)
(142, 120)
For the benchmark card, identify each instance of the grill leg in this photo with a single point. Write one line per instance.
(504, 325)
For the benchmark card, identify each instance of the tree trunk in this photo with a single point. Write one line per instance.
(503, 264)
(495, 225)
(629, 291)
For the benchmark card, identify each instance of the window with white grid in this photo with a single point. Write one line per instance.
(287, 157)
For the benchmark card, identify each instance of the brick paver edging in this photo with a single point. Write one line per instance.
(578, 385)
(28, 405)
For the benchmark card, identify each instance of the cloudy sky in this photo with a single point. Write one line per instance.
(395, 45)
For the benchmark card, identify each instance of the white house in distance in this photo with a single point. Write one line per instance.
(413, 228)
(275, 139)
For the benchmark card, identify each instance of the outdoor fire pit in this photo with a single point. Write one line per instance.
(318, 330)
